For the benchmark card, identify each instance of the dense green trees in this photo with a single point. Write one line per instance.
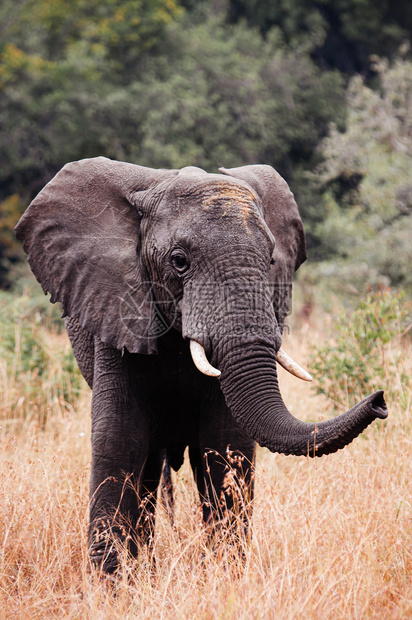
(367, 185)
(167, 83)
(343, 32)
(103, 33)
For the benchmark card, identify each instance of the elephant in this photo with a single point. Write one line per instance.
(175, 286)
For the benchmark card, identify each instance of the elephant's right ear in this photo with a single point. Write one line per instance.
(81, 235)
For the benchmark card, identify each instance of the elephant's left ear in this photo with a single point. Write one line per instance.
(82, 238)
(282, 217)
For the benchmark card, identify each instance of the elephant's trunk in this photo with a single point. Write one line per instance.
(250, 386)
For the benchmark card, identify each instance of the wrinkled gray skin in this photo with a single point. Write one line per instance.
(143, 261)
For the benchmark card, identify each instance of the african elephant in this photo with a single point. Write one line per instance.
(152, 268)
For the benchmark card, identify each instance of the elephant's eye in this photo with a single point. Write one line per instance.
(180, 261)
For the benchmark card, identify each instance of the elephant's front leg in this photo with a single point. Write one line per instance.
(120, 438)
(223, 465)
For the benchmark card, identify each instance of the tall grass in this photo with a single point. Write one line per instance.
(332, 537)
(40, 378)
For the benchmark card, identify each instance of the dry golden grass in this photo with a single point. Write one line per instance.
(332, 537)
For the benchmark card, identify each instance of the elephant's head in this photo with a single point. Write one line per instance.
(131, 251)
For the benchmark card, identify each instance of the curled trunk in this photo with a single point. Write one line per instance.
(250, 386)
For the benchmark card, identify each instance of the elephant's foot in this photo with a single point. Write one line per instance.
(113, 548)
(110, 546)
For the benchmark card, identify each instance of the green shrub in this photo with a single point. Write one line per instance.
(360, 359)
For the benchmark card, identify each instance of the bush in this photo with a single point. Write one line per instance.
(360, 360)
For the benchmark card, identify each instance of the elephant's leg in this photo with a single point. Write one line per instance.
(148, 492)
(223, 466)
(120, 441)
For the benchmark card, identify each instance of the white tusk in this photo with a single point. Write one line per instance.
(291, 366)
(200, 360)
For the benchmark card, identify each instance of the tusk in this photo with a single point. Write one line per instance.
(200, 360)
(291, 366)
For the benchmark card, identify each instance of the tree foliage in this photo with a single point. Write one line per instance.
(106, 34)
(240, 100)
(366, 175)
(344, 33)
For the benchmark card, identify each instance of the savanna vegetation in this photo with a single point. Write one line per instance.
(331, 536)
(323, 92)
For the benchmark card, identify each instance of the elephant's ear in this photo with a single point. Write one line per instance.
(282, 217)
(81, 235)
